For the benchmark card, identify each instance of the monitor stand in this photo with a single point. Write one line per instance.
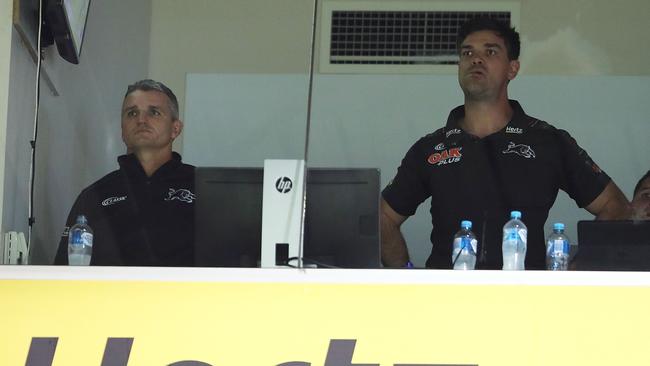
(282, 207)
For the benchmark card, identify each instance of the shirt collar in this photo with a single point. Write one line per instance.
(131, 165)
(454, 132)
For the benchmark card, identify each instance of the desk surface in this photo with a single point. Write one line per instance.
(338, 276)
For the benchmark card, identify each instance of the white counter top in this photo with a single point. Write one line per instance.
(338, 276)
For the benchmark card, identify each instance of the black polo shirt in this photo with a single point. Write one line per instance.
(520, 167)
(138, 220)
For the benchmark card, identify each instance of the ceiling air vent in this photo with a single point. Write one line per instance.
(398, 37)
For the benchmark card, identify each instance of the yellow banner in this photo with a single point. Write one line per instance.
(120, 323)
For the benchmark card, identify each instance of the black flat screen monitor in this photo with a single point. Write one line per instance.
(613, 246)
(341, 223)
(66, 20)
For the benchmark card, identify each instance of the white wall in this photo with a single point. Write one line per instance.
(251, 36)
(79, 131)
(20, 118)
(584, 37)
(5, 54)
(559, 37)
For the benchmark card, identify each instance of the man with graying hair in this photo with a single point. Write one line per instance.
(143, 213)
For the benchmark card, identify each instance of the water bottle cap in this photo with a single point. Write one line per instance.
(466, 224)
(81, 219)
(558, 226)
(515, 214)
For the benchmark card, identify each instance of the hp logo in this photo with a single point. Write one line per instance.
(283, 184)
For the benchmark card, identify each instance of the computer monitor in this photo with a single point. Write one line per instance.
(620, 245)
(67, 23)
(341, 221)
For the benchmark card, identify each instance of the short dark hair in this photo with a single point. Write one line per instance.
(505, 31)
(152, 85)
(638, 185)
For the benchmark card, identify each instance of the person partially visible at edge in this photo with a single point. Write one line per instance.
(641, 199)
(489, 159)
(143, 213)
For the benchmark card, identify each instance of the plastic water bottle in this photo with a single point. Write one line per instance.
(80, 243)
(515, 236)
(557, 249)
(463, 255)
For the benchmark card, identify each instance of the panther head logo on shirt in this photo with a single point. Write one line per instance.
(519, 149)
(183, 195)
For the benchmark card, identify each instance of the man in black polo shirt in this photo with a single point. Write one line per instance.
(143, 213)
(489, 159)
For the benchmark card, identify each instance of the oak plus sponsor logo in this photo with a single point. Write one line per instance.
(448, 156)
(182, 194)
(455, 131)
(113, 200)
(515, 130)
(520, 149)
(117, 352)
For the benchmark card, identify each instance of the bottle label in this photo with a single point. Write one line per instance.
(474, 244)
(74, 238)
(523, 235)
(463, 243)
(560, 246)
(87, 239)
(512, 236)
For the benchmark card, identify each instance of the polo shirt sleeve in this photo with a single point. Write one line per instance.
(583, 180)
(409, 188)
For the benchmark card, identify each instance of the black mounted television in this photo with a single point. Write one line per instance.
(66, 22)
